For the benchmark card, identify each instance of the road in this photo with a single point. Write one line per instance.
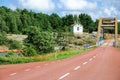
(102, 63)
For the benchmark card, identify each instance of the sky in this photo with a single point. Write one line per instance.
(94, 8)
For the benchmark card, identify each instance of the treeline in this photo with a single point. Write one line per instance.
(19, 21)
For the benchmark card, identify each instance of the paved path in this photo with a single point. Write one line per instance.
(102, 63)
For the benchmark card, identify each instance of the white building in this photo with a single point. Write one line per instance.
(77, 29)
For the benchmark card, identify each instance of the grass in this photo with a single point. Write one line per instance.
(45, 57)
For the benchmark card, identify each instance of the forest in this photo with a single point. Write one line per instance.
(19, 21)
(39, 28)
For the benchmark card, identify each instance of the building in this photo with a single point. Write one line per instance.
(77, 29)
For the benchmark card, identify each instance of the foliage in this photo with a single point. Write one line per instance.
(29, 51)
(42, 40)
(15, 60)
(55, 21)
(12, 44)
(19, 21)
(68, 20)
(45, 57)
(10, 54)
(87, 22)
(119, 27)
(3, 38)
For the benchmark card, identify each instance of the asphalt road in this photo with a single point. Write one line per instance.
(102, 63)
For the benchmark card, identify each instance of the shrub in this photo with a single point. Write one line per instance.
(78, 37)
(15, 60)
(10, 54)
(13, 44)
(65, 48)
(4, 60)
(29, 51)
(42, 40)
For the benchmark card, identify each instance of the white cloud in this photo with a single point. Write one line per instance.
(95, 8)
(39, 5)
(110, 11)
(63, 13)
(78, 4)
(13, 7)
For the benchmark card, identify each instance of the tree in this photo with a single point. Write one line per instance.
(19, 21)
(42, 40)
(68, 20)
(119, 27)
(3, 38)
(86, 21)
(12, 23)
(56, 21)
(12, 44)
(3, 26)
(29, 51)
(24, 20)
(96, 24)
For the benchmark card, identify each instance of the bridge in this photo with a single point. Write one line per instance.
(107, 23)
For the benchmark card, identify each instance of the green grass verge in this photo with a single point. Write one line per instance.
(45, 57)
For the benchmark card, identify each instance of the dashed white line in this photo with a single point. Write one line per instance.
(27, 70)
(53, 62)
(77, 68)
(13, 74)
(90, 59)
(65, 75)
(85, 63)
(46, 64)
(94, 56)
(37, 66)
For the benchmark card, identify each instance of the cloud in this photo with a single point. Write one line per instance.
(78, 4)
(13, 7)
(39, 5)
(110, 11)
(96, 9)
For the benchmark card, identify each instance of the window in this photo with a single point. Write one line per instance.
(77, 28)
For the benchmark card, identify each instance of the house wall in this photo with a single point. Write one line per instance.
(76, 30)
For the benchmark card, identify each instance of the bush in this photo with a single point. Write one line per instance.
(65, 48)
(10, 54)
(15, 60)
(78, 37)
(29, 51)
(3, 39)
(13, 44)
(42, 40)
(4, 60)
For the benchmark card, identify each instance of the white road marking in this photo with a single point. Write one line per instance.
(37, 66)
(46, 64)
(85, 63)
(13, 74)
(65, 75)
(77, 68)
(94, 56)
(53, 62)
(27, 70)
(90, 59)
